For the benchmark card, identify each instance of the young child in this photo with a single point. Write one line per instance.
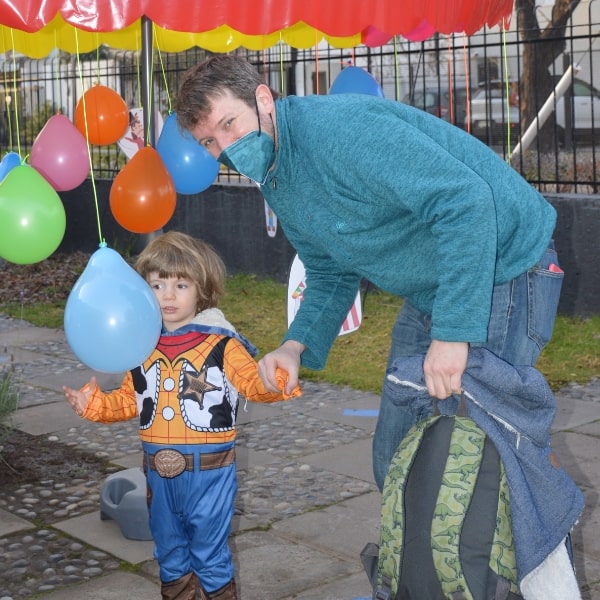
(186, 396)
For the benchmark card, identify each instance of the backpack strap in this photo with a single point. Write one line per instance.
(461, 409)
(502, 588)
(384, 591)
(369, 556)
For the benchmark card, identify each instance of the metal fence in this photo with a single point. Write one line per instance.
(446, 75)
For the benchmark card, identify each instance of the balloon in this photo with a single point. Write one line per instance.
(32, 217)
(373, 37)
(192, 168)
(112, 319)
(60, 154)
(105, 114)
(354, 80)
(423, 31)
(10, 160)
(143, 196)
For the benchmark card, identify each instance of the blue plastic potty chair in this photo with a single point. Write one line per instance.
(123, 499)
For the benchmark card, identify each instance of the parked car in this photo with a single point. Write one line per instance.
(585, 117)
(491, 114)
(490, 117)
(439, 101)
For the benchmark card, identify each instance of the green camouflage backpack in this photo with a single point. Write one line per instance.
(445, 531)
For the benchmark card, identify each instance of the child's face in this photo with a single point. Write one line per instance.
(177, 299)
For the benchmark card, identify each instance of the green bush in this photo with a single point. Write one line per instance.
(9, 400)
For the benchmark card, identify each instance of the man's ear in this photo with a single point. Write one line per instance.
(264, 98)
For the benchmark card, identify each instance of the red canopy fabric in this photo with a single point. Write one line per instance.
(260, 17)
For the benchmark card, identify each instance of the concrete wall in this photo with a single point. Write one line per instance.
(577, 238)
(232, 220)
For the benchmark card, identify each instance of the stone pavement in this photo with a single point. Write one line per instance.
(306, 505)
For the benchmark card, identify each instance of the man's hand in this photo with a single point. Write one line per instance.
(445, 362)
(286, 357)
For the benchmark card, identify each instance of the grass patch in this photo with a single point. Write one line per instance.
(572, 354)
(42, 314)
(257, 307)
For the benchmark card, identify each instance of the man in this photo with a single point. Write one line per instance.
(370, 188)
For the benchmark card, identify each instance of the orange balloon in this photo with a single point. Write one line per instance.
(143, 196)
(106, 115)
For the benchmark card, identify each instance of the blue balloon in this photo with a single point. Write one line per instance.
(112, 318)
(354, 80)
(191, 167)
(10, 160)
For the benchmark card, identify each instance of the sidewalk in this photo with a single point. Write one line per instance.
(306, 504)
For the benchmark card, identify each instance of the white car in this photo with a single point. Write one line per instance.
(585, 118)
(491, 114)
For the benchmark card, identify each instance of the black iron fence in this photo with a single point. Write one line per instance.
(473, 82)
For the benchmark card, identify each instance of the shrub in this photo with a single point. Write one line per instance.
(9, 400)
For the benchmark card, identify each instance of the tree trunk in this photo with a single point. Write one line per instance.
(541, 49)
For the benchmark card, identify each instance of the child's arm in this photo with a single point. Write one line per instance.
(78, 399)
(242, 371)
(91, 403)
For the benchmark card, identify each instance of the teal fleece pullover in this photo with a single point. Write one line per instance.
(370, 188)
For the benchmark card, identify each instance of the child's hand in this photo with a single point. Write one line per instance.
(78, 399)
(282, 379)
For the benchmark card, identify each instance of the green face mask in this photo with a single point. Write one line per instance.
(251, 156)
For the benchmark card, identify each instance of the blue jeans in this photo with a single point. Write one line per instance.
(190, 519)
(521, 323)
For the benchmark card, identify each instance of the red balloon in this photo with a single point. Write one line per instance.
(143, 195)
(101, 115)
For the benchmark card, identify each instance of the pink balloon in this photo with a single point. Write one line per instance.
(373, 37)
(421, 32)
(60, 154)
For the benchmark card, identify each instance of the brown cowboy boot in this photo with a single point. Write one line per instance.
(227, 592)
(185, 588)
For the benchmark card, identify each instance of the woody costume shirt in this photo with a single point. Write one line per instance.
(186, 394)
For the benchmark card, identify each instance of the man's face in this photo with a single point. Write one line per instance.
(229, 119)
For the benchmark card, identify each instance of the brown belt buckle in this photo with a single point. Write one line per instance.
(169, 463)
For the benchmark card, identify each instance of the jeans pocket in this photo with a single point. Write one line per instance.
(543, 287)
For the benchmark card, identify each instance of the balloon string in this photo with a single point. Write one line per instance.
(97, 59)
(16, 102)
(162, 70)
(6, 104)
(316, 63)
(450, 79)
(281, 71)
(56, 80)
(149, 120)
(507, 84)
(138, 69)
(87, 137)
(468, 79)
(396, 73)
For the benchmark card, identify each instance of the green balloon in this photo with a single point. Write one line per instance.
(32, 217)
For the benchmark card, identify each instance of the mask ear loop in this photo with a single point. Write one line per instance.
(257, 116)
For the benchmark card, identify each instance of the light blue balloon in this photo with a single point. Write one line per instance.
(354, 80)
(112, 318)
(10, 160)
(191, 167)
